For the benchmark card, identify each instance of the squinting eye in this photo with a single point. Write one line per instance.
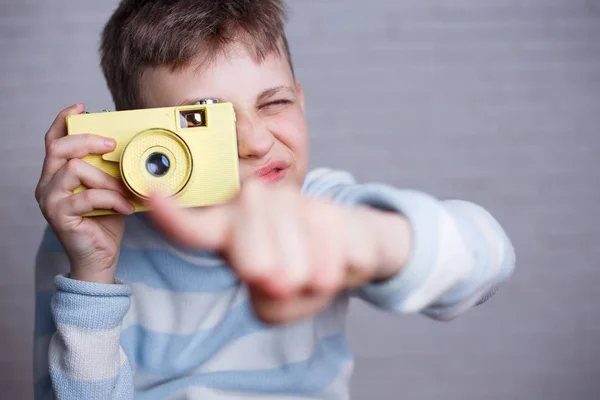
(276, 103)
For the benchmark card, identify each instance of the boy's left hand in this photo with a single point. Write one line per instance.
(294, 252)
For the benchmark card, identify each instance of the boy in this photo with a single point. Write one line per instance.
(245, 299)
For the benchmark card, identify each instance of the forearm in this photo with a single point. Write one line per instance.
(457, 254)
(85, 356)
(438, 258)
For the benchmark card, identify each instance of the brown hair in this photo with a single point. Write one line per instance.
(173, 33)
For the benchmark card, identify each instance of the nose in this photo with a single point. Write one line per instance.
(254, 138)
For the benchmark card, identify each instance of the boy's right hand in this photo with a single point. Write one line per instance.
(91, 243)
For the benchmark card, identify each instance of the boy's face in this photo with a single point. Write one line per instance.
(268, 101)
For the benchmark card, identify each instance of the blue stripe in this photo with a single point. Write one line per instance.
(168, 354)
(311, 376)
(93, 312)
(120, 388)
(159, 269)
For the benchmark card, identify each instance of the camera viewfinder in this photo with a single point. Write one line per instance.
(192, 118)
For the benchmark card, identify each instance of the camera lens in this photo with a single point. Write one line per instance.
(157, 164)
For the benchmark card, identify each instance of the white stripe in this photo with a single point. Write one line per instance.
(87, 354)
(181, 313)
(339, 390)
(494, 243)
(279, 345)
(193, 393)
(453, 265)
(496, 247)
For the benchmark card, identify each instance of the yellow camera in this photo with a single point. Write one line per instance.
(187, 152)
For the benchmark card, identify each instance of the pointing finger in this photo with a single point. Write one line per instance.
(207, 228)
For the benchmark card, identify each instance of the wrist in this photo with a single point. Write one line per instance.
(92, 277)
(392, 240)
(94, 273)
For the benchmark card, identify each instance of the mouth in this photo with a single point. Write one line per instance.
(272, 172)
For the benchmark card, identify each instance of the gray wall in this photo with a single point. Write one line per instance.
(492, 101)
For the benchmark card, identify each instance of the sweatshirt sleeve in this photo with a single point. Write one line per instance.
(77, 351)
(459, 257)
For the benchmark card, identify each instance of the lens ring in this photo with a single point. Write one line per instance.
(157, 164)
(140, 176)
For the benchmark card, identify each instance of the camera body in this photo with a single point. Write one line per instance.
(189, 152)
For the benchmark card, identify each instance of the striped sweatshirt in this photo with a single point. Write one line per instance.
(177, 324)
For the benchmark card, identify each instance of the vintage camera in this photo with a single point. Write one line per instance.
(187, 152)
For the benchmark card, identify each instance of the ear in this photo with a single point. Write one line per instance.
(300, 93)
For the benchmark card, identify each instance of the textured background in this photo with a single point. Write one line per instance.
(492, 101)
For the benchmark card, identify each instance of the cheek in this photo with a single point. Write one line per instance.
(291, 130)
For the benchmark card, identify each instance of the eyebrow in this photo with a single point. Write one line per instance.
(274, 91)
(261, 97)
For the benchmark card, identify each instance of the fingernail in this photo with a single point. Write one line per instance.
(109, 143)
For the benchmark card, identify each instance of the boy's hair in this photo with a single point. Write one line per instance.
(175, 33)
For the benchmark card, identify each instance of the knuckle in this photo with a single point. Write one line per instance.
(73, 166)
(49, 209)
(89, 141)
(47, 141)
(106, 181)
(328, 285)
(43, 205)
(52, 147)
(54, 214)
(72, 200)
(257, 272)
(38, 194)
(44, 202)
(63, 113)
(87, 196)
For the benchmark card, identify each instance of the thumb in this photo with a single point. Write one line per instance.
(204, 228)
